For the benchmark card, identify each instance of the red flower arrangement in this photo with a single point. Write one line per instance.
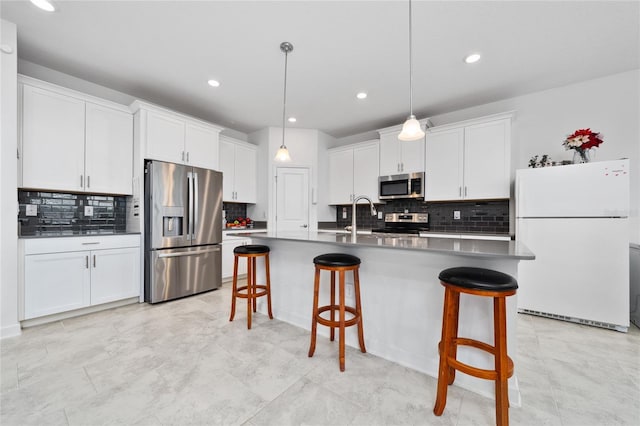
(581, 140)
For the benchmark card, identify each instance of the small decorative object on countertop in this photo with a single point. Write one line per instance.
(545, 161)
(582, 141)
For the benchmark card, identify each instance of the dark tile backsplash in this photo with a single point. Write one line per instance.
(64, 213)
(480, 216)
(235, 210)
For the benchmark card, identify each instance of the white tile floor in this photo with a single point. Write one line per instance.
(183, 363)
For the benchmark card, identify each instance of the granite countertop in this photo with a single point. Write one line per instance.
(58, 234)
(465, 247)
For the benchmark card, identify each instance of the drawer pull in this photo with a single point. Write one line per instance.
(91, 243)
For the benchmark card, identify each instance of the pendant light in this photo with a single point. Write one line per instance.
(411, 129)
(283, 153)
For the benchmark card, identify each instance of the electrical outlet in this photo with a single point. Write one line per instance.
(379, 215)
(344, 212)
(88, 210)
(32, 210)
(456, 214)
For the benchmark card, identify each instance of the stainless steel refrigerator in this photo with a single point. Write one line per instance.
(183, 231)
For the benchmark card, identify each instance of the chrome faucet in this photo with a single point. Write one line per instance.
(353, 211)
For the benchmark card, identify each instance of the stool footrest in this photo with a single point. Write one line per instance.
(336, 308)
(475, 371)
(253, 295)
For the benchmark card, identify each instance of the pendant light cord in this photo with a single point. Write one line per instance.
(410, 64)
(284, 102)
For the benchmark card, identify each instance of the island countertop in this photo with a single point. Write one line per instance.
(462, 247)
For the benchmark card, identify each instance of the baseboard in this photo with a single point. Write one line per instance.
(10, 331)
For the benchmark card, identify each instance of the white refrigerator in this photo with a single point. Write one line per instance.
(575, 220)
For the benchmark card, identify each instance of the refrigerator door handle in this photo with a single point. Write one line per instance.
(189, 253)
(190, 205)
(196, 206)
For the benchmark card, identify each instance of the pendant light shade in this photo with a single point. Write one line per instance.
(283, 153)
(411, 129)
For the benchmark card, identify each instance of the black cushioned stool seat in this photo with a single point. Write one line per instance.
(251, 249)
(484, 283)
(340, 263)
(252, 290)
(336, 259)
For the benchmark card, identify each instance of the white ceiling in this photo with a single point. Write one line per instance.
(165, 52)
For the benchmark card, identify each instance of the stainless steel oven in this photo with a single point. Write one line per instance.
(409, 185)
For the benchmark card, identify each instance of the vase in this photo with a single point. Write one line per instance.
(582, 156)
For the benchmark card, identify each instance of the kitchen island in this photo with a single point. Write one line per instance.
(401, 295)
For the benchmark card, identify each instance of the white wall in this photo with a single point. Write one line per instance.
(610, 105)
(9, 325)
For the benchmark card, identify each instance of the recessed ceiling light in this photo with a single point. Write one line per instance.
(44, 5)
(213, 83)
(474, 57)
(361, 95)
(292, 120)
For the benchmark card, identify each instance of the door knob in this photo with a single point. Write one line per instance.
(303, 226)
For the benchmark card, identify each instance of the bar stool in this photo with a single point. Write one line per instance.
(341, 263)
(251, 290)
(477, 282)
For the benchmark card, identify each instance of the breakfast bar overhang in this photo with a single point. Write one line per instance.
(401, 295)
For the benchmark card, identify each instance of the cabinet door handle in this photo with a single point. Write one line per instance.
(81, 181)
(459, 191)
(402, 167)
(187, 156)
(86, 262)
(94, 260)
(465, 191)
(88, 181)
(182, 155)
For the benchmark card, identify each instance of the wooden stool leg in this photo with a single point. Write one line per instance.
(356, 288)
(266, 267)
(234, 288)
(314, 315)
(249, 291)
(453, 349)
(255, 282)
(341, 319)
(445, 347)
(501, 361)
(333, 302)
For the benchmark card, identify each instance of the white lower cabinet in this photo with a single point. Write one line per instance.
(64, 274)
(228, 245)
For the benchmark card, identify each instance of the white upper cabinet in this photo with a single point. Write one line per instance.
(469, 160)
(74, 142)
(353, 171)
(238, 164)
(398, 156)
(175, 138)
(108, 150)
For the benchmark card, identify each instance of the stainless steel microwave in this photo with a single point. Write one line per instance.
(409, 185)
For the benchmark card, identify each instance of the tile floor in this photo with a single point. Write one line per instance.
(183, 363)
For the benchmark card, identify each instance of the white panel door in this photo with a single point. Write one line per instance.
(443, 172)
(412, 156)
(108, 150)
(52, 140)
(246, 176)
(165, 138)
(486, 160)
(115, 274)
(341, 169)
(201, 146)
(227, 167)
(292, 195)
(55, 283)
(366, 171)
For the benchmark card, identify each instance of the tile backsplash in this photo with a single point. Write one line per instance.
(62, 213)
(481, 216)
